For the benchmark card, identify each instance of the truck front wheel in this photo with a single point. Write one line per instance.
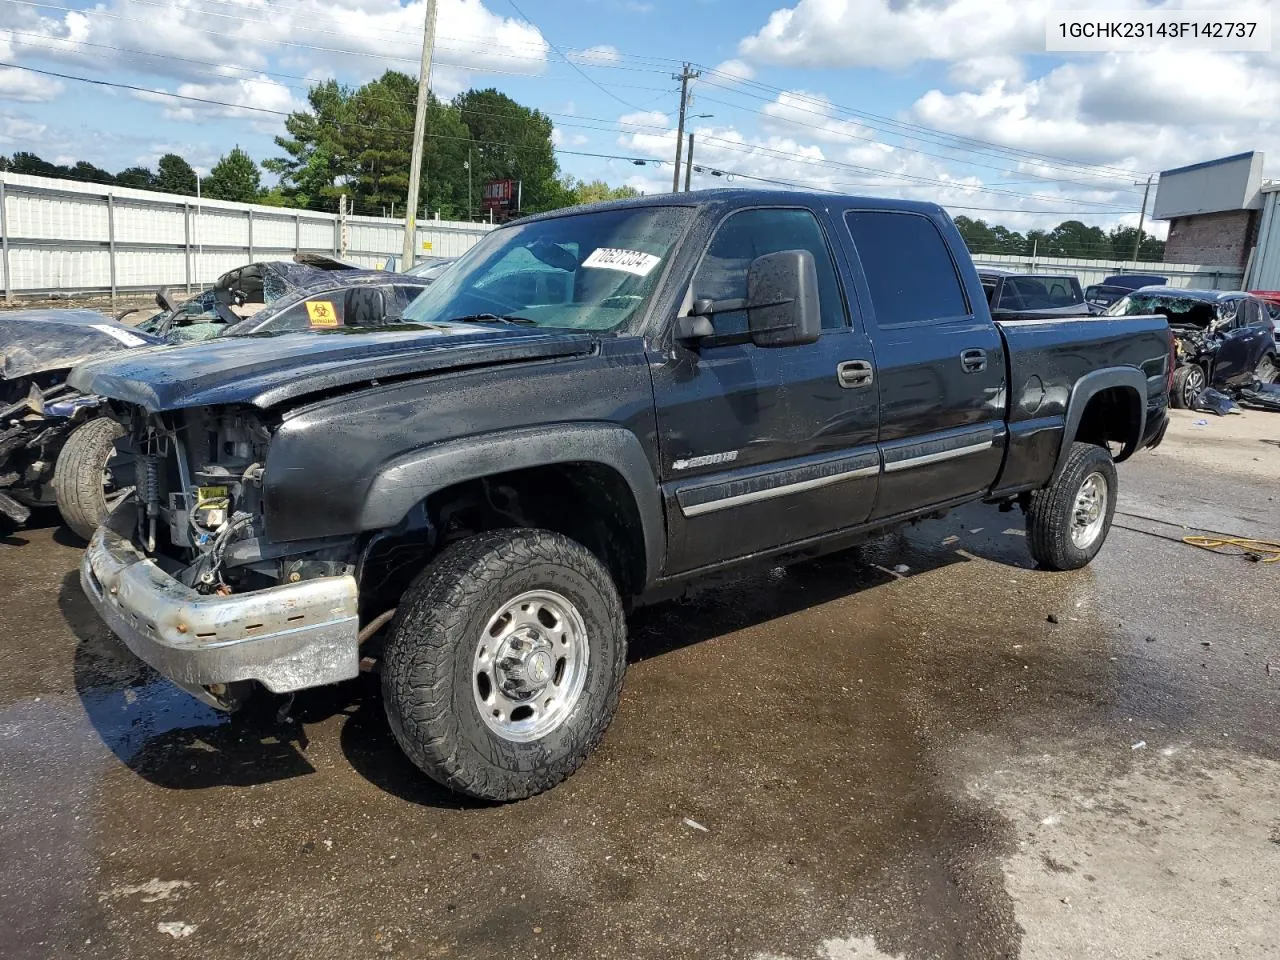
(82, 481)
(1068, 521)
(505, 663)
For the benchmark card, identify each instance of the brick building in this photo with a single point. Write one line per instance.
(1213, 209)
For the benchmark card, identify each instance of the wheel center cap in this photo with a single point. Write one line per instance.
(539, 667)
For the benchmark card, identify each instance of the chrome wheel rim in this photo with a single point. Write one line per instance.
(1193, 387)
(530, 666)
(1090, 511)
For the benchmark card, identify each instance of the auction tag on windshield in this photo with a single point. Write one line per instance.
(124, 336)
(321, 313)
(628, 261)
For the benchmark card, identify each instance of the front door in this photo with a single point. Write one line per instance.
(940, 361)
(764, 446)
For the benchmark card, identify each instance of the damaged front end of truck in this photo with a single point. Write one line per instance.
(182, 571)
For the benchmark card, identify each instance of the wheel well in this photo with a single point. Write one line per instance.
(1112, 415)
(587, 502)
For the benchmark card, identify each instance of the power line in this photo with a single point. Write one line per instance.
(581, 72)
(919, 131)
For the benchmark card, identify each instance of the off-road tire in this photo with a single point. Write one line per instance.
(1178, 393)
(428, 662)
(1051, 512)
(78, 474)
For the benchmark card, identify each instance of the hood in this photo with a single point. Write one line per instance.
(38, 341)
(268, 370)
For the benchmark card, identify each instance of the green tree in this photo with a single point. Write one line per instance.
(1122, 240)
(174, 175)
(513, 142)
(234, 177)
(580, 191)
(86, 171)
(139, 178)
(1071, 238)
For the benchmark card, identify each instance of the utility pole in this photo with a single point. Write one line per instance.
(684, 76)
(419, 131)
(1142, 216)
(688, 165)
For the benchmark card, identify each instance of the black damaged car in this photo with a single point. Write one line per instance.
(1225, 338)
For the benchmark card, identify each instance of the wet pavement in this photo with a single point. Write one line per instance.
(834, 761)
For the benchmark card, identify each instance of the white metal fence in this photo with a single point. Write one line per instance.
(63, 236)
(1185, 275)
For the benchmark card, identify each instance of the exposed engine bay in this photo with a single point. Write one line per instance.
(198, 476)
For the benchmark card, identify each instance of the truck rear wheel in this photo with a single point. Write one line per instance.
(85, 490)
(505, 663)
(1068, 521)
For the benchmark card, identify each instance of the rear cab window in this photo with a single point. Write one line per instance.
(908, 267)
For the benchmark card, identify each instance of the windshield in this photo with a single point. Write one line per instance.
(1183, 311)
(589, 271)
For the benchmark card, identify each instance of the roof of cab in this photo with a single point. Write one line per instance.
(729, 197)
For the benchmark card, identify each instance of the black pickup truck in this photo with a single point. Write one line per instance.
(593, 408)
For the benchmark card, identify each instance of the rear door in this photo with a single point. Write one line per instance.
(940, 364)
(764, 446)
(1247, 339)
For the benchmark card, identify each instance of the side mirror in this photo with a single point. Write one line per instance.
(783, 309)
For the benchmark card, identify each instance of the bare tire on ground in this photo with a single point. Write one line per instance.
(505, 663)
(1188, 383)
(1068, 521)
(81, 482)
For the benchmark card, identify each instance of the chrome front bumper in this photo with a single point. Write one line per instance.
(287, 638)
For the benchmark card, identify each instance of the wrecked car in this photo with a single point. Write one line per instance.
(1225, 339)
(596, 407)
(56, 444)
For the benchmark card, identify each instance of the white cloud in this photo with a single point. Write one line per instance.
(16, 84)
(358, 38)
(823, 158)
(233, 99)
(815, 113)
(1151, 112)
(736, 70)
(602, 55)
(897, 33)
(980, 71)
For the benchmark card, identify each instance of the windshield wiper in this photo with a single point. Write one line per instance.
(493, 318)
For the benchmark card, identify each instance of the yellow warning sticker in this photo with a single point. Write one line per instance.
(211, 493)
(321, 313)
(426, 245)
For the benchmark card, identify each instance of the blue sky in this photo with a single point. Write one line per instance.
(951, 100)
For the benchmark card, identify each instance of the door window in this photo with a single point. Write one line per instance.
(908, 267)
(321, 312)
(722, 274)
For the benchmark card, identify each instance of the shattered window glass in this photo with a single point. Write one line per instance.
(273, 287)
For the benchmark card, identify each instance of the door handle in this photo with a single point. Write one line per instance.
(855, 373)
(973, 361)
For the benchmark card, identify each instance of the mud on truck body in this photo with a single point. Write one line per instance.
(593, 408)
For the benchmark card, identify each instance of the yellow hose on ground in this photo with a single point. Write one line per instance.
(1238, 547)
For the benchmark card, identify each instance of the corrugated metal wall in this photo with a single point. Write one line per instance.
(1264, 272)
(62, 236)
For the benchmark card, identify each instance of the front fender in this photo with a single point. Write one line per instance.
(408, 479)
